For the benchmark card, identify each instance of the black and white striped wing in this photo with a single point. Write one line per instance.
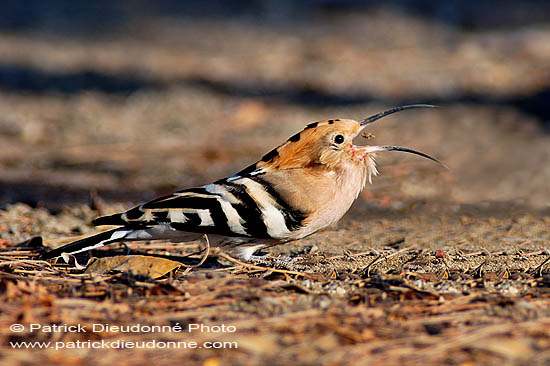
(236, 206)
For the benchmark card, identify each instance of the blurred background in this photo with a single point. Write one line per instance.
(131, 99)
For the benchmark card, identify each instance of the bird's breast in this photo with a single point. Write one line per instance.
(347, 184)
(323, 195)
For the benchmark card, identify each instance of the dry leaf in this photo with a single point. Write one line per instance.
(153, 267)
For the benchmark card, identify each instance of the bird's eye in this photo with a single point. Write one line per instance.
(338, 139)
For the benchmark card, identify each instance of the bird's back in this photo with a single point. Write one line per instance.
(238, 206)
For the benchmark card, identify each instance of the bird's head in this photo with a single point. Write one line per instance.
(329, 144)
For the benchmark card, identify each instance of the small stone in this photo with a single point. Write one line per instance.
(340, 291)
(433, 328)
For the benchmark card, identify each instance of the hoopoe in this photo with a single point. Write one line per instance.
(304, 185)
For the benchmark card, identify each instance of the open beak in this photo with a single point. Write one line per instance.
(376, 117)
(371, 149)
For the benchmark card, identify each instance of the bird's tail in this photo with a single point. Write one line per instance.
(88, 243)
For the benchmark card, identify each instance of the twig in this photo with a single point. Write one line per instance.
(538, 270)
(252, 266)
(384, 257)
(351, 255)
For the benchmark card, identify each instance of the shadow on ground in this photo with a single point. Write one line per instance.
(18, 78)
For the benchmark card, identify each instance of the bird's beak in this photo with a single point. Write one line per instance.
(372, 149)
(376, 117)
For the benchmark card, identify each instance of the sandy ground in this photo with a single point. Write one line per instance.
(430, 266)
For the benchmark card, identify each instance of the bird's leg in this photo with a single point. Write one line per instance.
(125, 246)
